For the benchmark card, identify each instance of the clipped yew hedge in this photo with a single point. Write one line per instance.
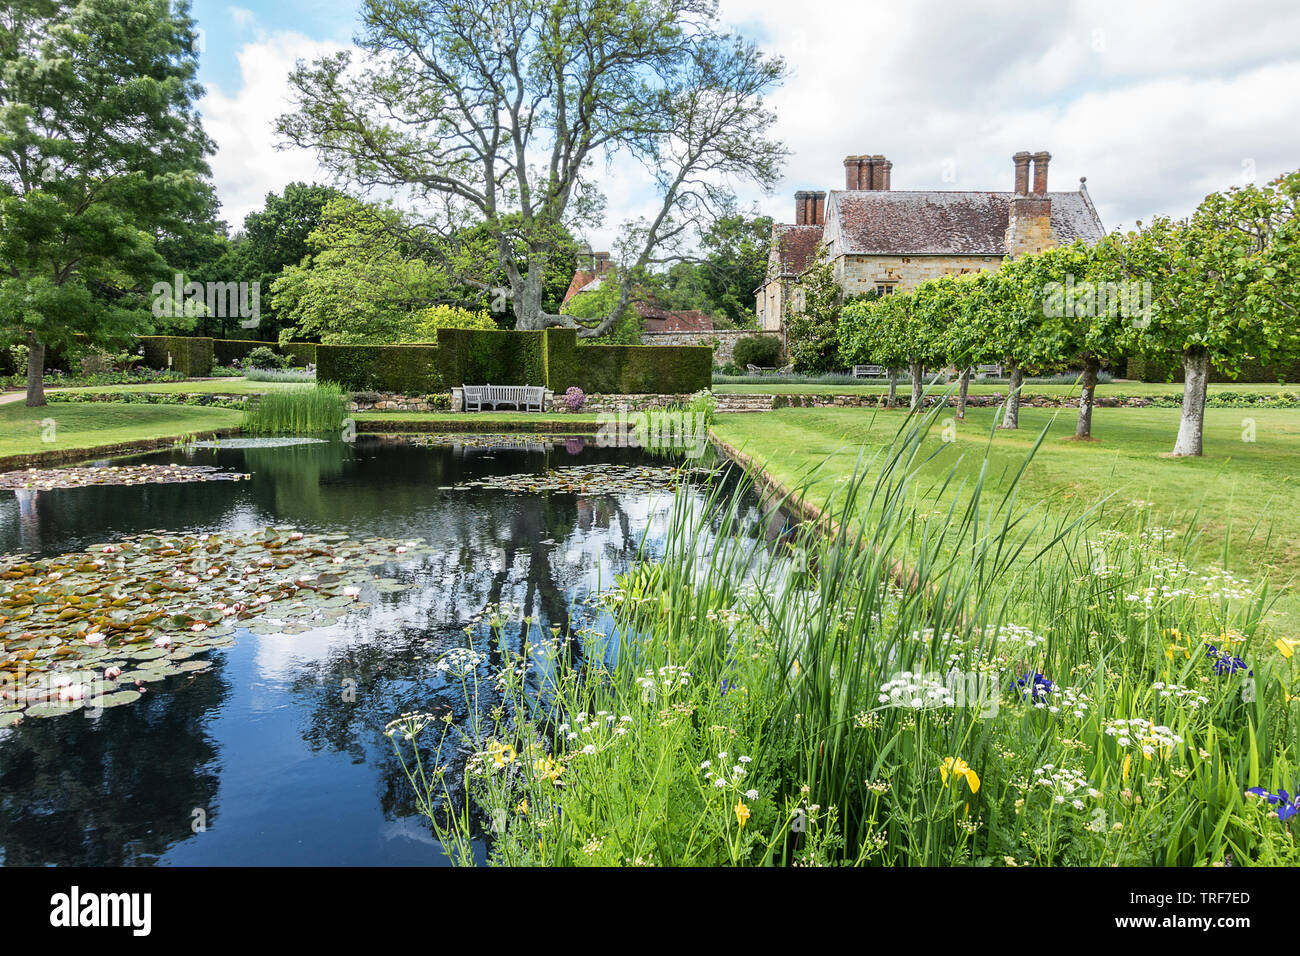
(192, 356)
(1151, 370)
(492, 357)
(552, 359)
(406, 369)
(626, 369)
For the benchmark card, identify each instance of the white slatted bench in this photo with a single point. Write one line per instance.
(524, 398)
(868, 371)
(988, 371)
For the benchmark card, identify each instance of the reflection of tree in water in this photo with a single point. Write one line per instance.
(114, 790)
(499, 550)
(294, 476)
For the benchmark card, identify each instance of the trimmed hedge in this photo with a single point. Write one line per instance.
(1150, 370)
(228, 351)
(552, 359)
(192, 356)
(492, 357)
(406, 369)
(761, 350)
(626, 369)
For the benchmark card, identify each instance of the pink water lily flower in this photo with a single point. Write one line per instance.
(163, 641)
(94, 638)
(112, 673)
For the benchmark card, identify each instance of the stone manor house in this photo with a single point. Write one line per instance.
(885, 240)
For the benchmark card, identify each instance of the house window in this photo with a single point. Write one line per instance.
(886, 288)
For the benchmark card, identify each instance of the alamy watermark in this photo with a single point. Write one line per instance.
(220, 300)
(1131, 300)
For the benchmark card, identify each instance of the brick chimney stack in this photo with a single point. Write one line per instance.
(810, 208)
(1029, 220)
(852, 172)
(1021, 159)
(1041, 160)
(866, 172)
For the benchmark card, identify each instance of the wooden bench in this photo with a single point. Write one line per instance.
(985, 371)
(868, 371)
(524, 398)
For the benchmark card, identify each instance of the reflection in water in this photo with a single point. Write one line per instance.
(279, 749)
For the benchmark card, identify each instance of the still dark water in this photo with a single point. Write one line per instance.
(284, 767)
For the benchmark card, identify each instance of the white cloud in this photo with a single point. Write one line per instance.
(242, 124)
(1157, 103)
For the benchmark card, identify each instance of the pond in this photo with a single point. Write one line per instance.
(276, 753)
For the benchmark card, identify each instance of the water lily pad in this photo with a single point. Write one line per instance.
(115, 699)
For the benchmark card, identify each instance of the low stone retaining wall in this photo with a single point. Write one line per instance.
(614, 403)
(904, 397)
(393, 402)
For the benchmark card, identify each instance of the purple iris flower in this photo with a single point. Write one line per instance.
(1287, 806)
(1225, 663)
(1034, 686)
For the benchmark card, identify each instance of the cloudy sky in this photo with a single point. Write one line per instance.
(1156, 102)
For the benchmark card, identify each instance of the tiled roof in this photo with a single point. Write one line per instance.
(935, 222)
(792, 249)
(666, 320)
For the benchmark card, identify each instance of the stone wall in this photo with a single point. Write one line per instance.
(858, 274)
(904, 397)
(723, 341)
(392, 402)
(615, 403)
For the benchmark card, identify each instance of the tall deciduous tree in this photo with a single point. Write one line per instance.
(890, 331)
(961, 304)
(1225, 288)
(1088, 313)
(274, 238)
(494, 111)
(359, 282)
(101, 153)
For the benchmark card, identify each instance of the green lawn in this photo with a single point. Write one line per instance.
(1110, 388)
(90, 425)
(1245, 492)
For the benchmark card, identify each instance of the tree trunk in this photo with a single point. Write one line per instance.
(1191, 425)
(917, 371)
(962, 391)
(1011, 418)
(1083, 429)
(35, 372)
(892, 400)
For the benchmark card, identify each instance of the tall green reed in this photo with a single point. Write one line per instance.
(883, 674)
(306, 411)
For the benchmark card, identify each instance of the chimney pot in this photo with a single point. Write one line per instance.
(1041, 159)
(882, 172)
(1021, 159)
(801, 208)
(852, 166)
(819, 208)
